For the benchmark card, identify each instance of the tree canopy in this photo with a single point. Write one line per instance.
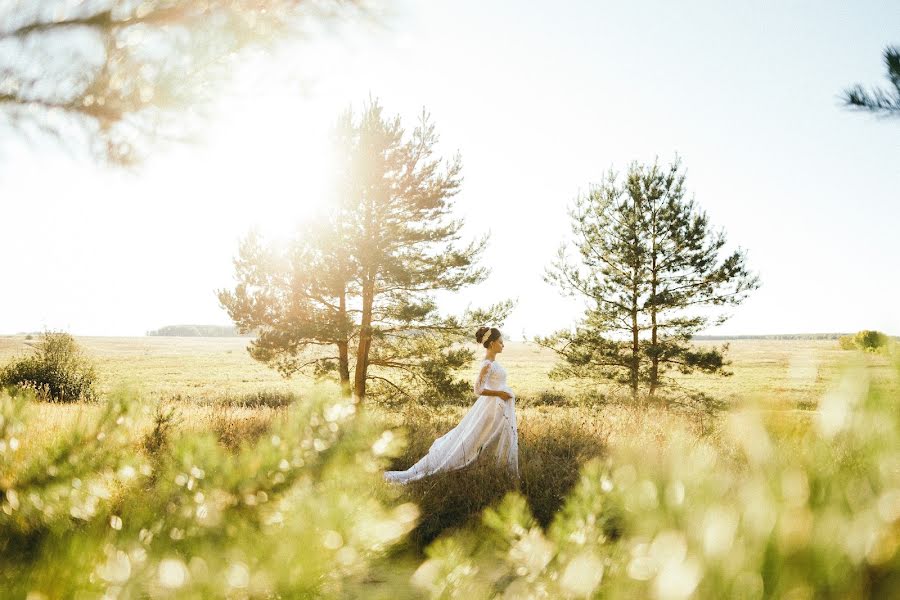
(358, 281)
(651, 267)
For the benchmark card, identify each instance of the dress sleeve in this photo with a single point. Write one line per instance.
(482, 378)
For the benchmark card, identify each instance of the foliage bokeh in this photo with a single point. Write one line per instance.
(289, 515)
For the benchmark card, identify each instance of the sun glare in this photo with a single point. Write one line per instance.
(277, 148)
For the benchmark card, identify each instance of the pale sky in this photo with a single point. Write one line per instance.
(540, 100)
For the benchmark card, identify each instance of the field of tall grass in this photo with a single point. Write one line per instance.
(798, 478)
(775, 373)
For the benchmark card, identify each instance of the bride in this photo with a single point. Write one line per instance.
(489, 428)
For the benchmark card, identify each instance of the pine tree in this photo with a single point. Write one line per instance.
(684, 271)
(647, 260)
(611, 273)
(295, 301)
(363, 276)
(405, 242)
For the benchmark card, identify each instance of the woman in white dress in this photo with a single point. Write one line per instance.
(488, 429)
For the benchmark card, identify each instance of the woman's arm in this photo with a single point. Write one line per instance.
(480, 390)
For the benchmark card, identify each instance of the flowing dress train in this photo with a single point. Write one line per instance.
(488, 429)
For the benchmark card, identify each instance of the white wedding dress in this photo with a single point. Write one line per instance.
(488, 429)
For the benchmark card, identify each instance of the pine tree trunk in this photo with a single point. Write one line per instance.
(344, 350)
(654, 349)
(365, 340)
(654, 282)
(344, 368)
(654, 358)
(635, 342)
(635, 331)
(635, 357)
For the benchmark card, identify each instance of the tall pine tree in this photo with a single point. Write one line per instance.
(685, 271)
(362, 278)
(650, 267)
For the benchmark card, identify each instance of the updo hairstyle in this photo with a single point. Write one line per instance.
(486, 335)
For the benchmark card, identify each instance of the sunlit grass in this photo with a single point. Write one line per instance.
(807, 441)
(784, 374)
(768, 507)
(198, 376)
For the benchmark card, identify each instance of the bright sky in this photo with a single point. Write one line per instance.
(540, 99)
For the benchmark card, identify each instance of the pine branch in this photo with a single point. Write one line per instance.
(390, 383)
(885, 103)
(177, 13)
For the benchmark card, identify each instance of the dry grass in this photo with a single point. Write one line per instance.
(194, 369)
(213, 385)
(201, 377)
(554, 442)
(236, 427)
(233, 425)
(774, 373)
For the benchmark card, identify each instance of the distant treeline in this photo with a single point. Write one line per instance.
(199, 331)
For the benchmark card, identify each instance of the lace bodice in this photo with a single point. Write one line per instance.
(491, 376)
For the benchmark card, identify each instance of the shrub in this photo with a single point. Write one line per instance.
(871, 340)
(847, 342)
(56, 370)
(867, 339)
(544, 398)
(551, 451)
(156, 441)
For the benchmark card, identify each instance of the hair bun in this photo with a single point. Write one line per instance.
(479, 335)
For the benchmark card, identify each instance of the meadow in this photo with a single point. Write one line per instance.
(778, 374)
(210, 386)
(211, 381)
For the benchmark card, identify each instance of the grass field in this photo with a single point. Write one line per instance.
(205, 377)
(787, 374)
(215, 387)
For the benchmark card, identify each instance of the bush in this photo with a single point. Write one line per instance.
(56, 370)
(847, 342)
(871, 340)
(544, 398)
(867, 339)
(156, 441)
